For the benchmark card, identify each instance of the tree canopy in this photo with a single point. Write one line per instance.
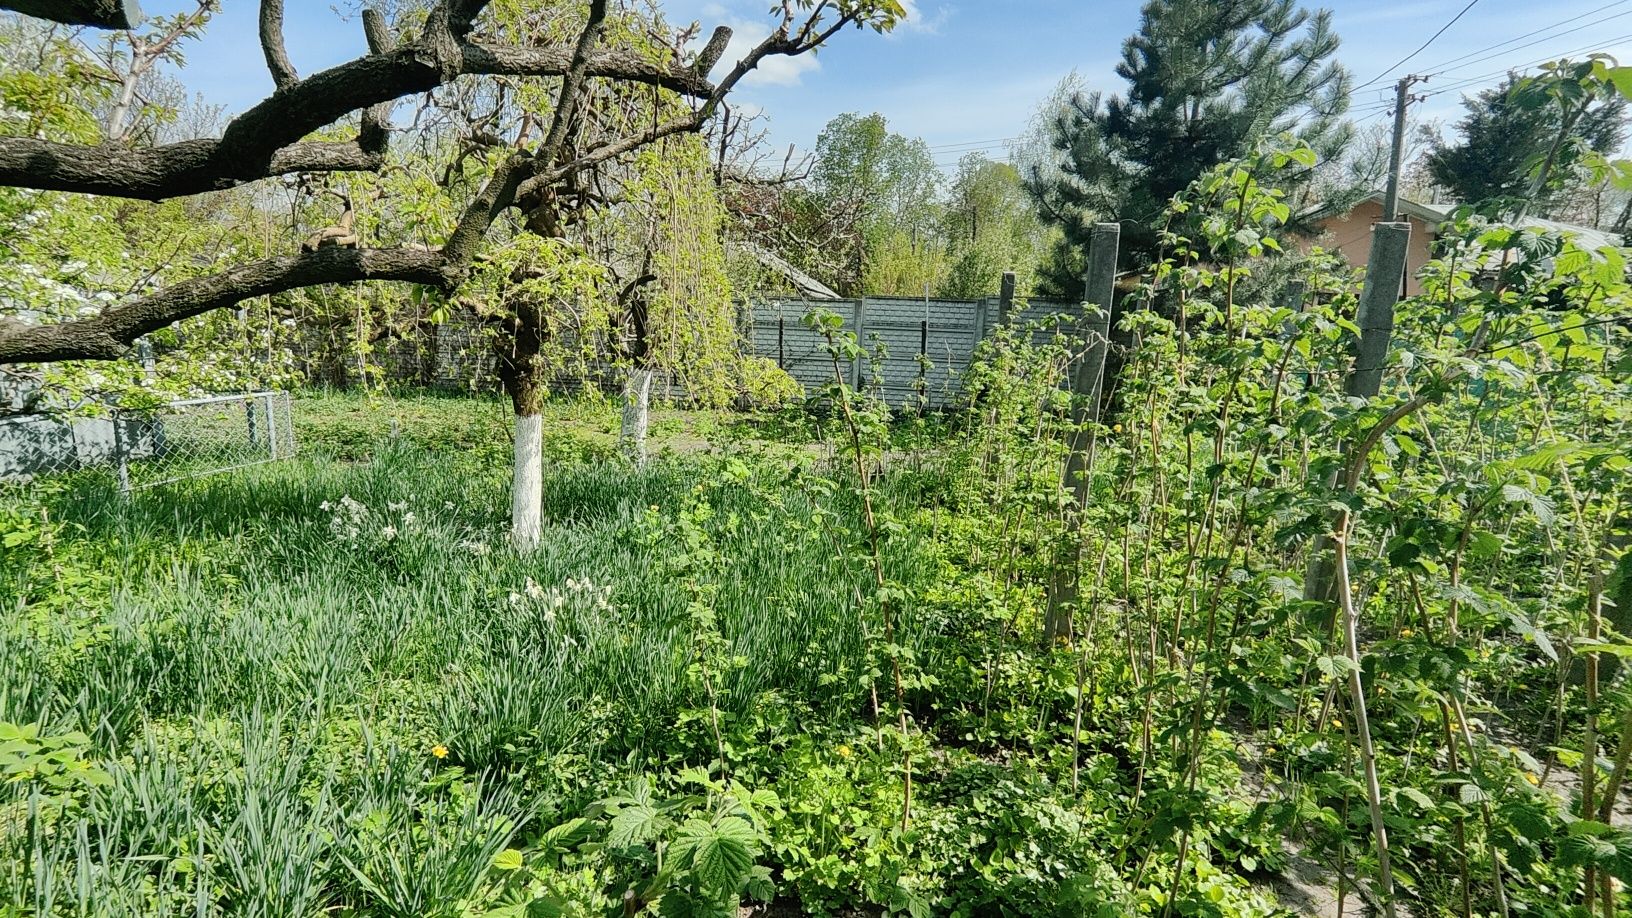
(1503, 139)
(1206, 80)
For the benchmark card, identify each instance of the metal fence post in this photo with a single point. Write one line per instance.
(289, 417)
(271, 425)
(861, 341)
(121, 457)
(1005, 298)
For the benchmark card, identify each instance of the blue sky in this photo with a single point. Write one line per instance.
(967, 74)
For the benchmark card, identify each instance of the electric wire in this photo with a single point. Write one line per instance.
(1435, 37)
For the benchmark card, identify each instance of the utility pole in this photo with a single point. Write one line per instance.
(1402, 102)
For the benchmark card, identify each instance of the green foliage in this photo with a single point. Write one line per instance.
(1506, 134)
(886, 186)
(1207, 81)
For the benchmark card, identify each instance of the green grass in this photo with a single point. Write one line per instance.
(327, 686)
(323, 615)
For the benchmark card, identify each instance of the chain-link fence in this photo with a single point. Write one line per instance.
(183, 439)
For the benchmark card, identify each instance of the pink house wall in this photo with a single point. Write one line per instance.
(1350, 234)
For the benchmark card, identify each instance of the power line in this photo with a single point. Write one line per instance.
(1479, 60)
(975, 143)
(1386, 105)
(1431, 40)
(1444, 66)
(1470, 81)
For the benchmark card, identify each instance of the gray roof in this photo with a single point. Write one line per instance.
(809, 287)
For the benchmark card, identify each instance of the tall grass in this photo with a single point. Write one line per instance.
(286, 653)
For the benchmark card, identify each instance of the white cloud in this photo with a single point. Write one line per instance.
(918, 19)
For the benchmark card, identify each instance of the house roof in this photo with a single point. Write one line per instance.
(1587, 237)
(808, 287)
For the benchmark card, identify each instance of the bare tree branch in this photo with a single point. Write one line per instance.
(277, 57)
(109, 335)
(375, 132)
(266, 141)
(572, 86)
(104, 14)
(261, 142)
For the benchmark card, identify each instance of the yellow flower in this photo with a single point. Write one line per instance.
(1532, 778)
(1116, 428)
(1406, 632)
(844, 752)
(440, 751)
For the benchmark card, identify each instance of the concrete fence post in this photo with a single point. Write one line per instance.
(1087, 384)
(1385, 271)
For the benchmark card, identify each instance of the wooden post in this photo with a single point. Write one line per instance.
(1384, 272)
(1096, 318)
(1086, 385)
(861, 341)
(1005, 298)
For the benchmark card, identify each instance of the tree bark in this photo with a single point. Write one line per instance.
(637, 413)
(266, 140)
(104, 14)
(109, 335)
(522, 369)
(277, 57)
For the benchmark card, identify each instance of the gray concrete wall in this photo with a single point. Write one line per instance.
(946, 332)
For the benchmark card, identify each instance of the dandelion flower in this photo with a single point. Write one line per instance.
(1406, 632)
(844, 752)
(439, 751)
(1532, 779)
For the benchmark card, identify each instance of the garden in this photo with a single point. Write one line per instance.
(833, 659)
(402, 516)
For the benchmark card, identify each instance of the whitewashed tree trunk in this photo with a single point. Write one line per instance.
(527, 485)
(637, 413)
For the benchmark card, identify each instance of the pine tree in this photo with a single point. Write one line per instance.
(1207, 79)
(1503, 139)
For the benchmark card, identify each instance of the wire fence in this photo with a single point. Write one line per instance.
(184, 439)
